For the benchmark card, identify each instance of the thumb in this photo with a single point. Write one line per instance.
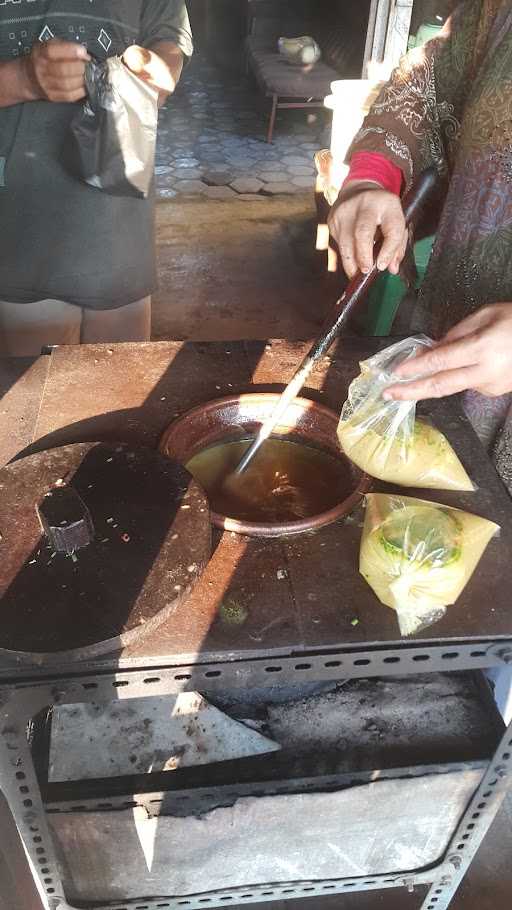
(149, 67)
(136, 58)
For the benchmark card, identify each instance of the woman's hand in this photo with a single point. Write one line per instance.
(363, 209)
(475, 354)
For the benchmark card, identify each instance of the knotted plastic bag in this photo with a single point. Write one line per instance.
(303, 51)
(112, 139)
(385, 439)
(418, 556)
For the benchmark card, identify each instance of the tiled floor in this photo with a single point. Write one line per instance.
(212, 140)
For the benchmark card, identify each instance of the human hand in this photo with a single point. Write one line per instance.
(56, 70)
(151, 68)
(475, 354)
(362, 210)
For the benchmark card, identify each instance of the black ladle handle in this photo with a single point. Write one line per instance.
(416, 197)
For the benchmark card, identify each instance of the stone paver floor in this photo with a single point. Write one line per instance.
(212, 140)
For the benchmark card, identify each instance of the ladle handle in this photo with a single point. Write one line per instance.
(416, 197)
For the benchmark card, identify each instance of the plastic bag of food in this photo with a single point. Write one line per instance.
(112, 139)
(385, 439)
(418, 556)
(303, 51)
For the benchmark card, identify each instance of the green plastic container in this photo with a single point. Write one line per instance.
(425, 33)
(387, 292)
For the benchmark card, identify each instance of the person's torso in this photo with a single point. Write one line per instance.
(106, 27)
(62, 238)
(472, 259)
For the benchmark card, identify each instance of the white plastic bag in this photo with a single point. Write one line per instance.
(418, 556)
(385, 439)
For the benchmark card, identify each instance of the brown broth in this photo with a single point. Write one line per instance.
(286, 481)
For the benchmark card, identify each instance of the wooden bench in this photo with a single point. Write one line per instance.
(340, 31)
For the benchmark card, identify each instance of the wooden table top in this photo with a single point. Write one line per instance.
(299, 594)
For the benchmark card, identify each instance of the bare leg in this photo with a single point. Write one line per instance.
(127, 323)
(26, 327)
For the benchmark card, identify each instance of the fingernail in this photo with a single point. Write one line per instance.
(381, 266)
(387, 396)
(82, 52)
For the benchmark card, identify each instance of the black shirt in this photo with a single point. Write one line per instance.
(60, 238)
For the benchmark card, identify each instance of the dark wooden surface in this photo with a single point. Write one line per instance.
(86, 393)
(21, 389)
(299, 593)
(147, 514)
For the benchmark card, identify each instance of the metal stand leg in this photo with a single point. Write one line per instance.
(272, 122)
(473, 827)
(21, 789)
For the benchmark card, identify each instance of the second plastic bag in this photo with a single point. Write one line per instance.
(418, 556)
(385, 439)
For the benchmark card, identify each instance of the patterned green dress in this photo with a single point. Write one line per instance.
(450, 104)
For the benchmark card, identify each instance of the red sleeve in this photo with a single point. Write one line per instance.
(372, 166)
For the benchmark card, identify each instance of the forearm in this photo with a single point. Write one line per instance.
(172, 58)
(415, 118)
(16, 85)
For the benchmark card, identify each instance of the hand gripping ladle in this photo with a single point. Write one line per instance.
(338, 317)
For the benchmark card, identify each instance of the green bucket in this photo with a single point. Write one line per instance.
(387, 292)
(425, 33)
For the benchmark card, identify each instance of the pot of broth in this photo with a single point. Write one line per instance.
(299, 480)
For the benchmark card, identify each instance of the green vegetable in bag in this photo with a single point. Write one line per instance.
(418, 556)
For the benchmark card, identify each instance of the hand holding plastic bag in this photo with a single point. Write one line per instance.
(112, 140)
(385, 439)
(418, 556)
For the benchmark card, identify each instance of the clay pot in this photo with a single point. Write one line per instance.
(240, 416)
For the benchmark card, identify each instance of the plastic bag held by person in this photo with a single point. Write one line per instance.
(385, 439)
(418, 556)
(112, 139)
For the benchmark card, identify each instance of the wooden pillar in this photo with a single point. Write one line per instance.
(398, 31)
(388, 32)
